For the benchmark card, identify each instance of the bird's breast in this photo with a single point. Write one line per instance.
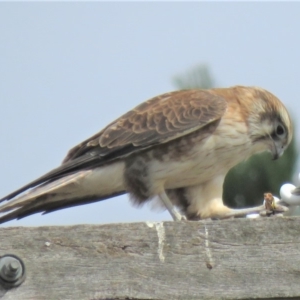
(194, 160)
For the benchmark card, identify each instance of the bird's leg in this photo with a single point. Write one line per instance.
(242, 212)
(170, 207)
(236, 213)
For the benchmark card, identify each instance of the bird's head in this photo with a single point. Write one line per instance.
(270, 125)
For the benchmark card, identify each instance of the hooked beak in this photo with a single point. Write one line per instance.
(275, 156)
(276, 150)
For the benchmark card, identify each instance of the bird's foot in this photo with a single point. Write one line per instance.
(271, 207)
(256, 211)
(177, 216)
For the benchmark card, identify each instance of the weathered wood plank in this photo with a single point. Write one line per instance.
(229, 259)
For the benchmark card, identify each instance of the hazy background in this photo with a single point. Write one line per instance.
(67, 69)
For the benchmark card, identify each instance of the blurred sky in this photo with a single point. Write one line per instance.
(67, 69)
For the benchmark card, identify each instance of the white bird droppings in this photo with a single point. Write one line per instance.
(161, 239)
(207, 249)
(150, 224)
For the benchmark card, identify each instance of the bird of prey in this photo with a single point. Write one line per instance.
(177, 147)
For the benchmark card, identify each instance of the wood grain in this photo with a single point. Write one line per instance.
(229, 259)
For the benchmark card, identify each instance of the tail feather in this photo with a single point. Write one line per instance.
(29, 209)
(79, 188)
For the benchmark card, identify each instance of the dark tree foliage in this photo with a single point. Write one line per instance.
(246, 183)
(198, 77)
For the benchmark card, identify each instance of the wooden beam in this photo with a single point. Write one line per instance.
(228, 259)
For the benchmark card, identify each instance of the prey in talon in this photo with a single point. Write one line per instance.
(269, 202)
(272, 207)
(177, 147)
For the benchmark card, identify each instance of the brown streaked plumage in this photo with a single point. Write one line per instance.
(178, 146)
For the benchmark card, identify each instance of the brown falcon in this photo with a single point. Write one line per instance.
(177, 147)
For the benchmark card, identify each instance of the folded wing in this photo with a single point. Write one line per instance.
(154, 122)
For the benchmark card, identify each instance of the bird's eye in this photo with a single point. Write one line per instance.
(280, 130)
